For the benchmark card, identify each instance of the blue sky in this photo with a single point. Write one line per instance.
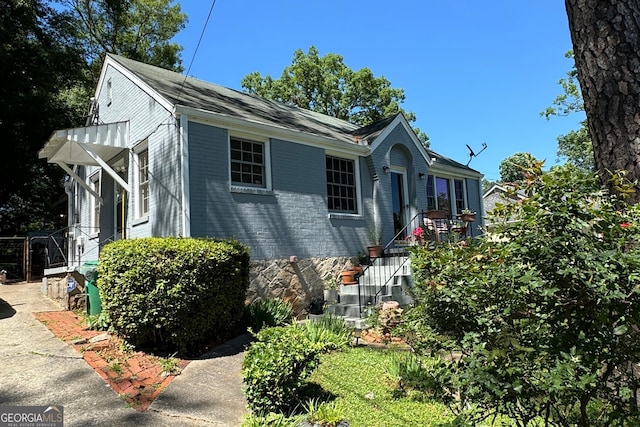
(473, 71)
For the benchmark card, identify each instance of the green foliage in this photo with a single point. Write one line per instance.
(570, 100)
(275, 369)
(39, 62)
(272, 419)
(329, 332)
(326, 85)
(576, 146)
(409, 372)
(332, 283)
(264, 313)
(513, 168)
(138, 29)
(169, 365)
(543, 313)
(357, 379)
(173, 293)
(324, 414)
(97, 322)
(487, 185)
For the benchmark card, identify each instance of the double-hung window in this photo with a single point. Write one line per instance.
(248, 166)
(143, 183)
(341, 185)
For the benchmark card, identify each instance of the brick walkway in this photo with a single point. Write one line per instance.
(135, 376)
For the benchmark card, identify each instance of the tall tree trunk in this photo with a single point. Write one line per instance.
(606, 44)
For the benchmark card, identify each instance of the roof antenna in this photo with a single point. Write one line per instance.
(472, 154)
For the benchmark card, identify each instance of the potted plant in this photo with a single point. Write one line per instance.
(363, 259)
(467, 216)
(348, 277)
(375, 242)
(331, 290)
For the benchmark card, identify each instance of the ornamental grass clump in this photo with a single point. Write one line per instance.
(541, 317)
(264, 313)
(329, 332)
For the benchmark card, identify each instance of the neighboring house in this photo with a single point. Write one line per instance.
(168, 155)
(501, 194)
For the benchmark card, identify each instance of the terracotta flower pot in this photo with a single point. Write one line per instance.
(469, 217)
(375, 251)
(348, 277)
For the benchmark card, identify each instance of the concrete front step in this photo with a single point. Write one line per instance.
(386, 280)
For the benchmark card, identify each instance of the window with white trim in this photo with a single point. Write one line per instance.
(143, 183)
(446, 194)
(248, 167)
(95, 204)
(341, 185)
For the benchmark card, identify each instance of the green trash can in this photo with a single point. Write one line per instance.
(90, 272)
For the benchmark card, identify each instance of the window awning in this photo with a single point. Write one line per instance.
(88, 146)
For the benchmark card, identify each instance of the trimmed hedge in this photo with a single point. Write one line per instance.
(173, 293)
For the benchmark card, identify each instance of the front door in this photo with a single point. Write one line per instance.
(399, 199)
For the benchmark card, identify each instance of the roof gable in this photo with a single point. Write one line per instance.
(504, 191)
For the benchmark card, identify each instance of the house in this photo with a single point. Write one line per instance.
(168, 155)
(500, 194)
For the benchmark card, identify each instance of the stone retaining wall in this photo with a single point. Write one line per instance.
(297, 282)
(55, 287)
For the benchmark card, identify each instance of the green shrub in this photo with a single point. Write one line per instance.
(275, 369)
(544, 312)
(173, 293)
(265, 313)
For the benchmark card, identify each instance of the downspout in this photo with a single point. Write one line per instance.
(122, 215)
(376, 200)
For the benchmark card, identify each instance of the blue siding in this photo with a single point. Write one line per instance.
(150, 121)
(398, 149)
(290, 220)
(474, 197)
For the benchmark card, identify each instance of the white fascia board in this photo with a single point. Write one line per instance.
(504, 190)
(262, 130)
(110, 62)
(493, 189)
(401, 120)
(436, 169)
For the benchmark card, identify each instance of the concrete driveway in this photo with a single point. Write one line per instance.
(38, 369)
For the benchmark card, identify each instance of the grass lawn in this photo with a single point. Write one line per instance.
(358, 379)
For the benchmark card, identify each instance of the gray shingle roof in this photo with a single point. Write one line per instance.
(179, 89)
(442, 160)
(191, 92)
